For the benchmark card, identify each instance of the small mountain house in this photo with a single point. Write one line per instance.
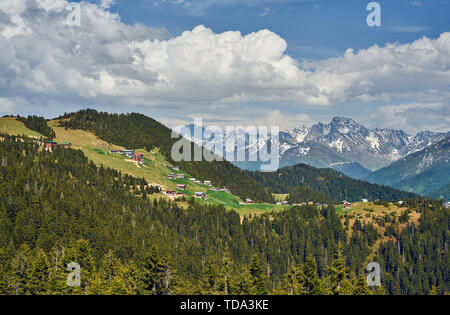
(50, 144)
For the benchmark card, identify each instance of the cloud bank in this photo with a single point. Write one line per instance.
(44, 61)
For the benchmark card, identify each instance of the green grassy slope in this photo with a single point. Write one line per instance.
(12, 126)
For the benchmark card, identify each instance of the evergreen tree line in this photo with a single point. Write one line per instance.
(38, 124)
(329, 182)
(58, 207)
(415, 260)
(301, 194)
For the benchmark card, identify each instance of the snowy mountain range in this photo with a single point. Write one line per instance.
(342, 144)
(344, 141)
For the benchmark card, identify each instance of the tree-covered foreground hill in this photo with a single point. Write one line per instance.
(57, 207)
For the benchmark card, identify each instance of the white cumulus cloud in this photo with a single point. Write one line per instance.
(413, 117)
(420, 69)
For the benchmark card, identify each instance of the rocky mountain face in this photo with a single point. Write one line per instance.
(342, 144)
(344, 141)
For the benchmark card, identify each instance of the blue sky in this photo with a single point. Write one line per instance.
(313, 29)
(230, 62)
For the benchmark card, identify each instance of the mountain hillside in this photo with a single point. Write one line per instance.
(137, 131)
(58, 207)
(154, 169)
(443, 192)
(328, 181)
(351, 169)
(423, 172)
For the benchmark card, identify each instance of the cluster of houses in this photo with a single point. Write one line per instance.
(309, 203)
(200, 195)
(50, 145)
(182, 187)
(226, 190)
(138, 157)
(174, 175)
(347, 205)
(206, 182)
(175, 194)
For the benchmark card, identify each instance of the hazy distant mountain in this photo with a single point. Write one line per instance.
(352, 169)
(422, 172)
(443, 192)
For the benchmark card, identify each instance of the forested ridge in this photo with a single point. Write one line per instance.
(38, 124)
(57, 207)
(301, 194)
(334, 184)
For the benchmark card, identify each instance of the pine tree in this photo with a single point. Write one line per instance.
(156, 274)
(258, 280)
(4, 271)
(21, 264)
(38, 274)
(338, 273)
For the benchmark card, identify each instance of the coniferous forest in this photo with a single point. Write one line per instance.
(327, 181)
(58, 207)
(38, 124)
